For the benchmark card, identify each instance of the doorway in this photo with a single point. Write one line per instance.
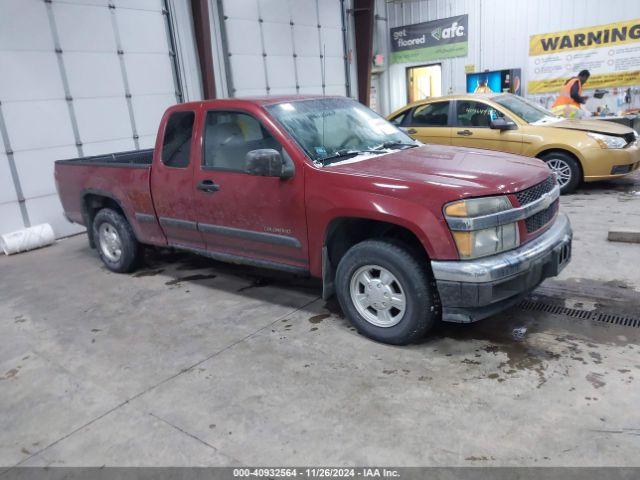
(424, 81)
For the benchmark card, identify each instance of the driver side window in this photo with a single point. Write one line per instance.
(475, 114)
(229, 136)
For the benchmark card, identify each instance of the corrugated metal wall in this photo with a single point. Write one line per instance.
(499, 32)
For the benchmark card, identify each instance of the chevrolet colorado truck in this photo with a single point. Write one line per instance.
(405, 234)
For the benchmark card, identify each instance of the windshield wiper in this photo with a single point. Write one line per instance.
(395, 143)
(345, 153)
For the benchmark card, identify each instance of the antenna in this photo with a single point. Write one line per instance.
(322, 71)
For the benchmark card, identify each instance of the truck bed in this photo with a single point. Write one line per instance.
(123, 177)
(132, 159)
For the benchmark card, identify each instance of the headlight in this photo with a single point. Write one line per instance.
(489, 241)
(608, 141)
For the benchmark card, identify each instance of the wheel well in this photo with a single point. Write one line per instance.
(343, 233)
(566, 152)
(91, 204)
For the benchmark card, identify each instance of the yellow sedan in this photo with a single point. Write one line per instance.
(577, 150)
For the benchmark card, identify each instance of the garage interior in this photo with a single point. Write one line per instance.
(192, 362)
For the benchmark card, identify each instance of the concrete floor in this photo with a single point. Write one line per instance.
(192, 362)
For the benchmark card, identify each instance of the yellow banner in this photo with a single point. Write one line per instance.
(595, 81)
(619, 33)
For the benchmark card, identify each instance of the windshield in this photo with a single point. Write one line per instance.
(528, 111)
(328, 128)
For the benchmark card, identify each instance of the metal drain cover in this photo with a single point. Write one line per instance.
(594, 315)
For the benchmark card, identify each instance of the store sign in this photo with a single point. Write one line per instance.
(610, 52)
(444, 38)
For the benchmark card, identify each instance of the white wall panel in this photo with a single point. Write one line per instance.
(10, 217)
(279, 36)
(49, 210)
(310, 72)
(241, 9)
(329, 13)
(41, 124)
(93, 33)
(142, 31)
(281, 72)
(91, 114)
(303, 12)
(14, 35)
(109, 146)
(98, 3)
(275, 10)
(155, 5)
(35, 169)
(244, 37)
(248, 74)
(92, 74)
(149, 73)
(148, 110)
(23, 73)
(306, 40)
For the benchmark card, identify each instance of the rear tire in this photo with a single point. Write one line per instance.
(115, 241)
(386, 292)
(567, 168)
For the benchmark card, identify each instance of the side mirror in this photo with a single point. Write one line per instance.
(502, 123)
(267, 162)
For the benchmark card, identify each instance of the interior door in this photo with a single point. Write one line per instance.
(430, 123)
(172, 179)
(472, 128)
(241, 214)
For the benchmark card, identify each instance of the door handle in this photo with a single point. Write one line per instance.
(465, 133)
(208, 186)
(412, 131)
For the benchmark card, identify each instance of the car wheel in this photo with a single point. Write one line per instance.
(566, 168)
(116, 243)
(386, 292)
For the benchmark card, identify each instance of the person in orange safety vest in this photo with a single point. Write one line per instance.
(570, 98)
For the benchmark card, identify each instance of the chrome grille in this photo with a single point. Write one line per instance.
(532, 194)
(540, 219)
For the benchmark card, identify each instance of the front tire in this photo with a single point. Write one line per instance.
(115, 241)
(386, 292)
(566, 168)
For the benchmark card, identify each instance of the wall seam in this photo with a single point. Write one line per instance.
(14, 171)
(125, 78)
(63, 76)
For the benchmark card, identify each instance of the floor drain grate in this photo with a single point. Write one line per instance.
(581, 314)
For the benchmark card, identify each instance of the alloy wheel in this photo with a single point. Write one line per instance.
(378, 296)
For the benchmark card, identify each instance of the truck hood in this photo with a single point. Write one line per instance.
(597, 126)
(467, 171)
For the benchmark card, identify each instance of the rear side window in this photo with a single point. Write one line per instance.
(431, 115)
(177, 139)
(229, 136)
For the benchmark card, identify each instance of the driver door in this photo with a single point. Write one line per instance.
(472, 128)
(244, 215)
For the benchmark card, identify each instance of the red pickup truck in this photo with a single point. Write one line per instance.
(403, 233)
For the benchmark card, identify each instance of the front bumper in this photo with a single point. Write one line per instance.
(604, 163)
(471, 290)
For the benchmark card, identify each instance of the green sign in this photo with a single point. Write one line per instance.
(444, 38)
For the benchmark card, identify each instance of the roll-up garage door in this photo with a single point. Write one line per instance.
(277, 47)
(79, 77)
